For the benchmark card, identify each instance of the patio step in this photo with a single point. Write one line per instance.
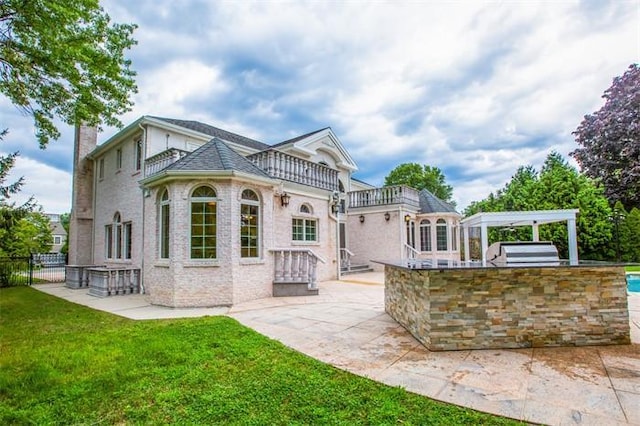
(287, 289)
(356, 269)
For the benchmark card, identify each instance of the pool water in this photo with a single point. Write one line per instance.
(633, 283)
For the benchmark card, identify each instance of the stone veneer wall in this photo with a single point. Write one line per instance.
(481, 308)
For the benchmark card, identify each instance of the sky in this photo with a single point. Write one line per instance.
(474, 88)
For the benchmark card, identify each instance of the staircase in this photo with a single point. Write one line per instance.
(355, 269)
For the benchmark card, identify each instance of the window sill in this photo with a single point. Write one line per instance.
(162, 263)
(205, 263)
(250, 261)
(136, 173)
(305, 243)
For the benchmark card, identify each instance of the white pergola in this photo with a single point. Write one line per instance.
(528, 218)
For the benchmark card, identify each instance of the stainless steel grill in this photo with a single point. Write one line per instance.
(523, 253)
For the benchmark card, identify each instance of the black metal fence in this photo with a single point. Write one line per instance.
(37, 268)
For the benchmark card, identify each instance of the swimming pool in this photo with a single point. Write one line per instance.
(633, 283)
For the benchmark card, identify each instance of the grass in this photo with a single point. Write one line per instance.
(632, 268)
(67, 364)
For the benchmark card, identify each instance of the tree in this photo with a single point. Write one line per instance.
(610, 140)
(65, 218)
(556, 186)
(31, 234)
(421, 177)
(10, 213)
(65, 60)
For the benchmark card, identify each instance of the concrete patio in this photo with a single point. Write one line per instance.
(346, 326)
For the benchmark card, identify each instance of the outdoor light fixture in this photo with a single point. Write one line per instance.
(387, 216)
(284, 199)
(335, 209)
(407, 218)
(361, 218)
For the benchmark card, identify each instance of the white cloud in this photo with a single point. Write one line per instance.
(477, 88)
(50, 187)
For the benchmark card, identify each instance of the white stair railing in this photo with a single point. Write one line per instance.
(296, 266)
(410, 252)
(345, 258)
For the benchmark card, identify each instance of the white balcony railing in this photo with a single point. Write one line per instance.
(287, 167)
(384, 196)
(162, 160)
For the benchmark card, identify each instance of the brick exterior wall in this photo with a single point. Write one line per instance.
(382, 240)
(482, 308)
(118, 191)
(229, 279)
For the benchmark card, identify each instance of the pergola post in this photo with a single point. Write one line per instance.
(484, 238)
(534, 228)
(467, 254)
(573, 241)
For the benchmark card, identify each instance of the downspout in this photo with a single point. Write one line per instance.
(93, 213)
(143, 170)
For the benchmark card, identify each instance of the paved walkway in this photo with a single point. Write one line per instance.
(346, 326)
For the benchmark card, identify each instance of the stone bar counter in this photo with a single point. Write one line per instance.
(450, 305)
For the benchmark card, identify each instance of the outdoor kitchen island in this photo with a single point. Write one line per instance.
(450, 305)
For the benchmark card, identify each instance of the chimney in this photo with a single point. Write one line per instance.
(81, 220)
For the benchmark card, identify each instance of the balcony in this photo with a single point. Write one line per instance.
(286, 167)
(162, 160)
(384, 196)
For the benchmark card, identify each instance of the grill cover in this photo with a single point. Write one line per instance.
(523, 253)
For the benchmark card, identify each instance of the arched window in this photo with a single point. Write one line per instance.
(306, 208)
(425, 235)
(249, 224)
(117, 239)
(164, 225)
(203, 223)
(441, 235)
(304, 228)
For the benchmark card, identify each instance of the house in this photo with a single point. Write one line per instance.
(57, 231)
(212, 218)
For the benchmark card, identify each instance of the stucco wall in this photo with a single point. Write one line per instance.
(455, 309)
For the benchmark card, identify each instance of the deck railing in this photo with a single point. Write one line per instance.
(287, 167)
(296, 266)
(384, 196)
(162, 160)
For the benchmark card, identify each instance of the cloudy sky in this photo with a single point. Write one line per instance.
(474, 88)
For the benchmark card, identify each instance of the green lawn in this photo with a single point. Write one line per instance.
(67, 364)
(632, 268)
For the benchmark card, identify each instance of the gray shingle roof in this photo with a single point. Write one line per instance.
(429, 203)
(215, 132)
(216, 155)
(298, 138)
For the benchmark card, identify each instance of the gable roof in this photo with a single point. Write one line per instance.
(429, 203)
(215, 132)
(298, 138)
(215, 155)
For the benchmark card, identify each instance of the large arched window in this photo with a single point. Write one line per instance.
(203, 223)
(164, 225)
(441, 235)
(249, 224)
(425, 235)
(117, 239)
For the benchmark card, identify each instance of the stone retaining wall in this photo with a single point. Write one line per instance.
(481, 308)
